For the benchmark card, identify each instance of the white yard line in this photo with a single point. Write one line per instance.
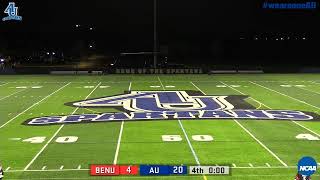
(189, 143)
(118, 144)
(55, 134)
(130, 86)
(7, 169)
(291, 98)
(185, 134)
(268, 165)
(4, 84)
(79, 167)
(246, 130)
(46, 170)
(245, 94)
(309, 90)
(161, 83)
(264, 146)
(285, 95)
(313, 82)
(306, 128)
(33, 105)
(44, 147)
(12, 94)
(116, 154)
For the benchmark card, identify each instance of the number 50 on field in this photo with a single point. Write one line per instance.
(176, 138)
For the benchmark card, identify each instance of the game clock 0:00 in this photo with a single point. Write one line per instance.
(209, 170)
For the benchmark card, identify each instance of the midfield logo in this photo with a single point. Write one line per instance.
(171, 105)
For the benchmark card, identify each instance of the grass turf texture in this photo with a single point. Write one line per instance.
(244, 143)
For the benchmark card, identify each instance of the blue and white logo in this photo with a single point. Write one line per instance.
(171, 105)
(12, 12)
(307, 166)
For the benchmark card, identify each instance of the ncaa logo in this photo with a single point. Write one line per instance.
(307, 166)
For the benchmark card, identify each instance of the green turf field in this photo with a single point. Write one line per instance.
(254, 149)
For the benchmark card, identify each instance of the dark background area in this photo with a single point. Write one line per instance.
(195, 32)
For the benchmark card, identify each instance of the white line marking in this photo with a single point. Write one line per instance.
(234, 165)
(185, 134)
(130, 86)
(265, 167)
(118, 144)
(220, 86)
(265, 147)
(291, 121)
(44, 167)
(271, 108)
(161, 83)
(268, 165)
(14, 139)
(21, 87)
(55, 134)
(309, 90)
(306, 128)
(61, 167)
(198, 88)
(250, 165)
(42, 149)
(284, 95)
(11, 94)
(7, 169)
(235, 85)
(115, 160)
(245, 94)
(47, 170)
(33, 105)
(4, 84)
(189, 143)
(79, 167)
